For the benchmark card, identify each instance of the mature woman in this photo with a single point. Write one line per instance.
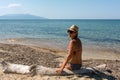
(73, 60)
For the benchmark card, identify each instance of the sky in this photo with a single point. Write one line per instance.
(63, 9)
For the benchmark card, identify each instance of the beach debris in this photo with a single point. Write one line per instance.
(41, 70)
(36, 69)
(102, 66)
(15, 68)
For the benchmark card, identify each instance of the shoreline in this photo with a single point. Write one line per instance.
(89, 51)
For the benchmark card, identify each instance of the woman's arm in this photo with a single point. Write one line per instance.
(69, 55)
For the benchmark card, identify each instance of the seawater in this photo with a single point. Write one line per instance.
(54, 31)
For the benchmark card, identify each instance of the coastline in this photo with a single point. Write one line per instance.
(35, 55)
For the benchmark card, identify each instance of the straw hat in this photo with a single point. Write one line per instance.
(73, 28)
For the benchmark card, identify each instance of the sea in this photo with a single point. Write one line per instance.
(101, 33)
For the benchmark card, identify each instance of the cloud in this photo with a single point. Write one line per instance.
(13, 8)
(13, 5)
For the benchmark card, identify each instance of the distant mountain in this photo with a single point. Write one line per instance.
(21, 16)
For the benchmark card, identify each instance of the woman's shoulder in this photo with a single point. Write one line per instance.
(75, 40)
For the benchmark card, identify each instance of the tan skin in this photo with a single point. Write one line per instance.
(74, 55)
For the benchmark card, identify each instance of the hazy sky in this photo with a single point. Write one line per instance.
(63, 9)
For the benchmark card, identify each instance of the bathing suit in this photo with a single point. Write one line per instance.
(75, 66)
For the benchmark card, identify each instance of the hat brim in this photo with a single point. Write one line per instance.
(71, 30)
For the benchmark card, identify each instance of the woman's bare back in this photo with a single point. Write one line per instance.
(76, 57)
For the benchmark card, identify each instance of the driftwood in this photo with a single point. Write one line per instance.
(15, 68)
(41, 70)
(36, 69)
(33, 70)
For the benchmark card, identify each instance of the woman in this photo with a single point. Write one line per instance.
(73, 60)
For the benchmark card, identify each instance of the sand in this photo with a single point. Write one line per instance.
(31, 55)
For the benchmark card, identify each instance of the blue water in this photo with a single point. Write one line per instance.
(94, 32)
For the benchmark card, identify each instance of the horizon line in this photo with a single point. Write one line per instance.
(66, 19)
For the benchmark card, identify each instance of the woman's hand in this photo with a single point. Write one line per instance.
(59, 70)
